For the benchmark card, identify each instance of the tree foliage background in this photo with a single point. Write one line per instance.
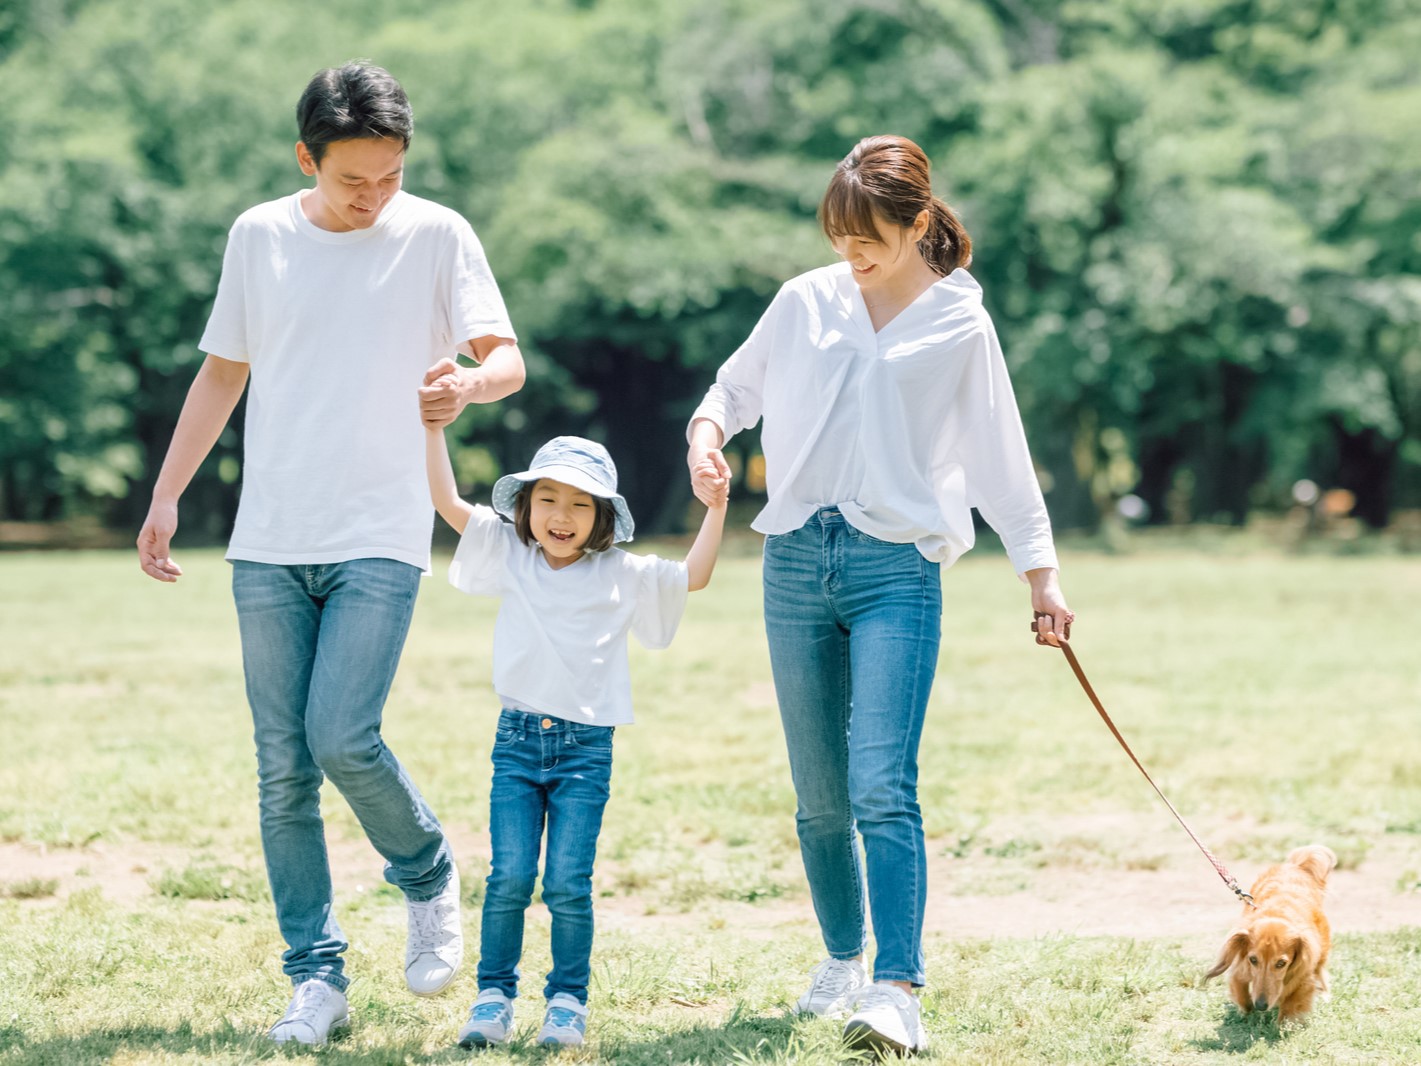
(1196, 221)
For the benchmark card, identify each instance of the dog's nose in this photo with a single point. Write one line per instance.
(1261, 1003)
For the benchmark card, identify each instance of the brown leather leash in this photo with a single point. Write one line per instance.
(1219, 867)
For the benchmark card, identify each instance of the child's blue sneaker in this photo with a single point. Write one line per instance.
(490, 1020)
(565, 1022)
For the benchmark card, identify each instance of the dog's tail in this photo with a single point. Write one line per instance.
(1317, 859)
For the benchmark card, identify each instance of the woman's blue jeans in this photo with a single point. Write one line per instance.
(854, 625)
(554, 773)
(320, 645)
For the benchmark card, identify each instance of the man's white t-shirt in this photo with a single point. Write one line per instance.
(339, 329)
(560, 641)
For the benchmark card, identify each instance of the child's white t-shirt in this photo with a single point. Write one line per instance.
(339, 329)
(560, 641)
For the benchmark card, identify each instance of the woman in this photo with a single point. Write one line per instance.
(888, 416)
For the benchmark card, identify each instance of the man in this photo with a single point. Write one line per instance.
(333, 302)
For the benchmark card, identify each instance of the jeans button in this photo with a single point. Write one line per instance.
(547, 723)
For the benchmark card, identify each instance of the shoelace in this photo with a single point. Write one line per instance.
(308, 1002)
(831, 978)
(874, 996)
(487, 1011)
(562, 1018)
(427, 926)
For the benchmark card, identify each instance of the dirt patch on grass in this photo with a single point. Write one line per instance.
(1090, 875)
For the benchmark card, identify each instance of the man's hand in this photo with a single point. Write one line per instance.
(442, 397)
(153, 541)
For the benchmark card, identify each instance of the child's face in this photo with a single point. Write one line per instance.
(561, 519)
(354, 182)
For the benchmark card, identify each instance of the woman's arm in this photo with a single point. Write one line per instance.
(700, 560)
(442, 488)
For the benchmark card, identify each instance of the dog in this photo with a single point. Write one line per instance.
(1277, 957)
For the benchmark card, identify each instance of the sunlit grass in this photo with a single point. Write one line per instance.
(1273, 697)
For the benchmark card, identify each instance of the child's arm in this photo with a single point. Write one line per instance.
(442, 488)
(700, 560)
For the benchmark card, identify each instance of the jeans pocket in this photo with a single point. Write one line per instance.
(865, 538)
(590, 737)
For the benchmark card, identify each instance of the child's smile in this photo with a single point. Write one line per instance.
(561, 519)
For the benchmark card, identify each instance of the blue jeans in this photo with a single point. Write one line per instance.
(320, 644)
(853, 625)
(559, 773)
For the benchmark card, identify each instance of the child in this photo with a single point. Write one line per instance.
(560, 671)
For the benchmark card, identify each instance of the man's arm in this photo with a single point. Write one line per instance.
(214, 393)
(449, 387)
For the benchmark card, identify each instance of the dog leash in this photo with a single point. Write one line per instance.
(1219, 867)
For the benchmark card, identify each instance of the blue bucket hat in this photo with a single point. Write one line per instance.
(584, 464)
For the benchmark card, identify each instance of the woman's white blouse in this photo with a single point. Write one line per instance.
(904, 430)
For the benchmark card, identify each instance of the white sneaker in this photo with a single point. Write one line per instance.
(316, 1008)
(886, 1018)
(832, 984)
(565, 1022)
(435, 947)
(490, 1020)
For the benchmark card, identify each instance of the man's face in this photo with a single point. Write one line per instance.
(354, 182)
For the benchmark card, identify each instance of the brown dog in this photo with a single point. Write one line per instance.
(1277, 957)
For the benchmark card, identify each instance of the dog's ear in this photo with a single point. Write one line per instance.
(1305, 952)
(1235, 947)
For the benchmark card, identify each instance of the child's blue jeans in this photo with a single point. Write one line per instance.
(554, 773)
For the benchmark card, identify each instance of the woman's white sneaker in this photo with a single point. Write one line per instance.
(832, 986)
(316, 1008)
(434, 948)
(886, 1018)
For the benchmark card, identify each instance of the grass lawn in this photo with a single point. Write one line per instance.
(1274, 698)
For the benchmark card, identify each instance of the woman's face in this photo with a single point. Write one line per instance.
(879, 262)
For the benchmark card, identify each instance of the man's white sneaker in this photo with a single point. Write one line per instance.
(886, 1018)
(316, 1008)
(490, 1020)
(565, 1022)
(435, 947)
(832, 984)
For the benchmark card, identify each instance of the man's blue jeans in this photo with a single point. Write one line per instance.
(546, 771)
(854, 625)
(320, 645)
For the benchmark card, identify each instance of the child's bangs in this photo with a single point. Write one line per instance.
(847, 210)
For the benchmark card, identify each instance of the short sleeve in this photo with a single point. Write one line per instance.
(481, 560)
(226, 332)
(661, 599)
(475, 304)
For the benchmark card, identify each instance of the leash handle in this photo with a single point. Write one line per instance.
(1075, 665)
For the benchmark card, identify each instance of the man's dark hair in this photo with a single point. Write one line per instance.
(356, 101)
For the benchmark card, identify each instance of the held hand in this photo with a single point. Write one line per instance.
(440, 398)
(710, 476)
(1052, 622)
(153, 541)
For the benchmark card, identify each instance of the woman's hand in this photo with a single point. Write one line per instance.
(1053, 617)
(710, 473)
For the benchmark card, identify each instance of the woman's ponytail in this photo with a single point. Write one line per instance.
(946, 245)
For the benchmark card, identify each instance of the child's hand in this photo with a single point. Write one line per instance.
(710, 480)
